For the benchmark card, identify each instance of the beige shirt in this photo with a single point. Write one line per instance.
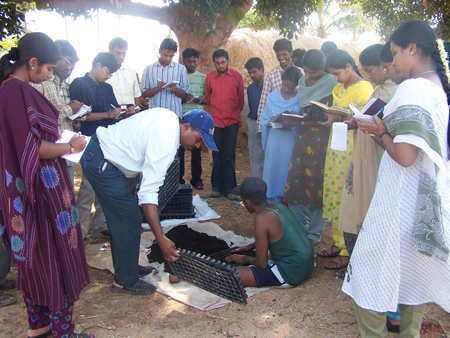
(125, 85)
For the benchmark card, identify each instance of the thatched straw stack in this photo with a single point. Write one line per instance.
(245, 43)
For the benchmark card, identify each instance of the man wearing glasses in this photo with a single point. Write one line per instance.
(96, 93)
(55, 90)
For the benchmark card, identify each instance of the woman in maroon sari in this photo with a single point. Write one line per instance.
(39, 217)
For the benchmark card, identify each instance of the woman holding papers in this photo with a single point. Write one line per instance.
(401, 256)
(362, 175)
(36, 195)
(351, 89)
(304, 187)
(277, 142)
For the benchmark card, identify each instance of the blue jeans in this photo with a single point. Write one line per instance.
(121, 210)
(310, 219)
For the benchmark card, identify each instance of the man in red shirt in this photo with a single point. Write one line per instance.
(224, 93)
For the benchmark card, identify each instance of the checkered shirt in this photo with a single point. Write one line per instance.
(272, 82)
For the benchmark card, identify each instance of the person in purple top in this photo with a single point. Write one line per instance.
(38, 215)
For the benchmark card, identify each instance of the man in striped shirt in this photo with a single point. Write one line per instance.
(164, 71)
(195, 100)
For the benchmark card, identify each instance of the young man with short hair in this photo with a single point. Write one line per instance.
(124, 82)
(277, 231)
(56, 90)
(195, 100)
(93, 90)
(162, 72)
(272, 80)
(144, 143)
(255, 70)
(224, 92)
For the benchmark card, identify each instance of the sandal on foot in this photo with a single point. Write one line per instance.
(329, 252)
(199, 186)
(139, 288)
(339, 263)
(7, 299)
(340, 274)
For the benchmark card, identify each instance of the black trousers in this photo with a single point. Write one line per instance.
(223, 176)
(196, 166)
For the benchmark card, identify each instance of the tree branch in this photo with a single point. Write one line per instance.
(121, 7)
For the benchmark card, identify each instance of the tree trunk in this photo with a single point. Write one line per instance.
(178, 17)
(186, 27)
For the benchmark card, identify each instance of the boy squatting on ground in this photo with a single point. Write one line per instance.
(277, 231)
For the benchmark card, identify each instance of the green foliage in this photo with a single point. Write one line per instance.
(209, 11)
(391, 14)
(257, 22)
(290, 14)
(11, 19)
(354, 21)
(8, 42)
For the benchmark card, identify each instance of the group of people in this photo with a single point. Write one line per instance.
(387, 195)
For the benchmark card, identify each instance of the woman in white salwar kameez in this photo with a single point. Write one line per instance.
(401, 255)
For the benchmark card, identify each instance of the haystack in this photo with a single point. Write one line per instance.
(246, 43)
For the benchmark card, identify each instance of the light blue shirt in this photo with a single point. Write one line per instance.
(165, 98)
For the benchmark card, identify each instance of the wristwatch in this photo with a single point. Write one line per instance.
(72, 150)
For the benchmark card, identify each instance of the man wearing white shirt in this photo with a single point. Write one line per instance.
(124, 82)
(144, 143)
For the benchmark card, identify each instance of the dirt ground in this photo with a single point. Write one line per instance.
(317, 308)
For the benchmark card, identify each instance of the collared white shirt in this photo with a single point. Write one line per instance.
(125, 85)
(165, 98)
(143, 143)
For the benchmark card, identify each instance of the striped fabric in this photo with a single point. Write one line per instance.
(37, 201)
(53, 90)
(196, 88)
(165, 98)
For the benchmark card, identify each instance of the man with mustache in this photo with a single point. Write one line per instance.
(224, 91)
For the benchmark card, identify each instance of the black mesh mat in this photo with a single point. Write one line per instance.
(208, 274)
(178, 215)
(170, 185)
(179, 205)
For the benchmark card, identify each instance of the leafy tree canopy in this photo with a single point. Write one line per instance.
(289, 15)
(390, 14)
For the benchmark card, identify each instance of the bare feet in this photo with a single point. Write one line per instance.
(38, 332)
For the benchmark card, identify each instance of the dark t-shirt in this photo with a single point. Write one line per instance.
(293, 253)
(254, 92)
(99, 96)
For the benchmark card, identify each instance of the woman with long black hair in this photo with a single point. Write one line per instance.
(401, 255)
(38, 210)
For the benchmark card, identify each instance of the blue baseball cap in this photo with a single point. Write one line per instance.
(203, 122)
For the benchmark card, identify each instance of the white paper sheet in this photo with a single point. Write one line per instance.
(339, 137)
(66, 137)
(83, 111)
